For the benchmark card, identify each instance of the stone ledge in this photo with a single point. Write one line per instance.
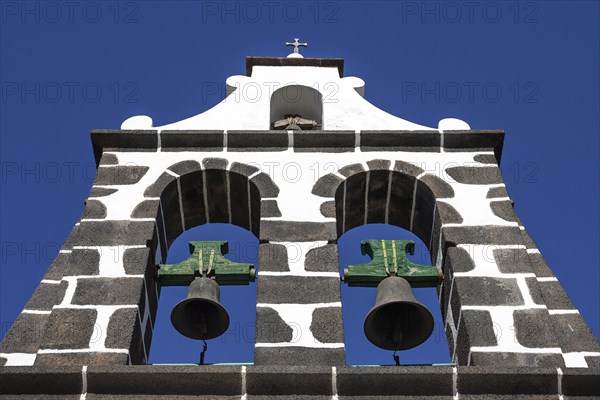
(216, 380)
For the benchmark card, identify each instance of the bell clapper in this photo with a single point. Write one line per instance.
(204, 348)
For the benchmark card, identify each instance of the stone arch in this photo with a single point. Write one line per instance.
(192, 193)
(297, 99)
(390, 192)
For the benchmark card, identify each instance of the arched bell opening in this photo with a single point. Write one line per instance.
(390, 204)
(236, 345)
(212, 202)
(296, 107)
(358, 301)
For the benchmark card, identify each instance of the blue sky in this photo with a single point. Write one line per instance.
(530, 68)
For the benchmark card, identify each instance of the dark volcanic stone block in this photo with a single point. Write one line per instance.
(497, 235)
(60, 360)
(58, 266)
(327, 326)
(108, 159)
(474, 140)
(138, 261)
(84, 262)
(448, 214)
(265, 186)
(272, 257)
(324, 141)
(351, 169)
(26, 334)
(504, 360)
(327, 185)
(437, 186)
(322, 259)
(125, 140)
(534, 291)
(270, 328)
(192, 198)
(580, 382)
(504, 210)
(354, 201)
(46, 296)
(101, 192)
(485, 159)
(156, 189)
(36, 380)
(475, 175)
(573, 333)
(94, 209)
(484, 291)
(185, 167)
(407, 169)
(401, 199)
(533, 328)
(512, 260)
(112, 233)
(291, 381)
(287, 356)
(328, 209)
(296, 289)
(243, 169)
(497, 192)
(263, 141)
(124, 332)
(109, 291)
(174, 381)
(120, 175)
(555, 296)
(400, 140)
(376, 165)
(69, 329)
(191, 140)
(422, 219)
(394, 381)
(146, 209)
(379, 185)
(215, 163)
(292, 231)
(269, 208)
(506, 380)
(539, 265)
(476, 329)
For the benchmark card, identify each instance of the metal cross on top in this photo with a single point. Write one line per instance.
(296, 44)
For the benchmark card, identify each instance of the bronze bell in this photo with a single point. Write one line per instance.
(200, 315)
(397, 321)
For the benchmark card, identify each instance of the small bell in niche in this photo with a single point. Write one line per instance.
(294, 122)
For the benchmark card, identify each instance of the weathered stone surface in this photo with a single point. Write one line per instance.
(534, 291)
(539, 265)
(138, 261)
(84, 262)
(25, 335)
(527, 240)
(112, 233)
(243, 169)
(156, 189)
(69, 329)
(328, 209)
(448, 214)
(58, 266)
(327, 141)
(270, 328)
(379, 186)
(265, 185)
(257, 140)
(376, 165)
(192, 199)
(423, 212)
(406, 168)
(555, 296)
(573, 333)
(533, 328)
(485, 158)
(401, 199)
(295, 289)
(29, 381)
(504, 209)
(46, 296)
(580, 382)
(289, 356)
(437, 186)
(114, 291)
(108, 159)
(393, 381)
(292, 381)
(61, 360)
(485, 291)
(400, 141)
(512, 260)
(101, 192)
(120, 175)
(351, 169)
(327, 326)
(327, 185)
(191, 140)
(293, 231)
(214, 163)
(475, 329)
(185, 167)
(497, 192)
(497, 235)
(474, 140)
(322, 259)
(269, 209)
(507, 360)
(475, 175)
(124, 332)
(507, 380)
(353, 189)
(94, 209)
(125, 140)
(272, 257)
(146, 209)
